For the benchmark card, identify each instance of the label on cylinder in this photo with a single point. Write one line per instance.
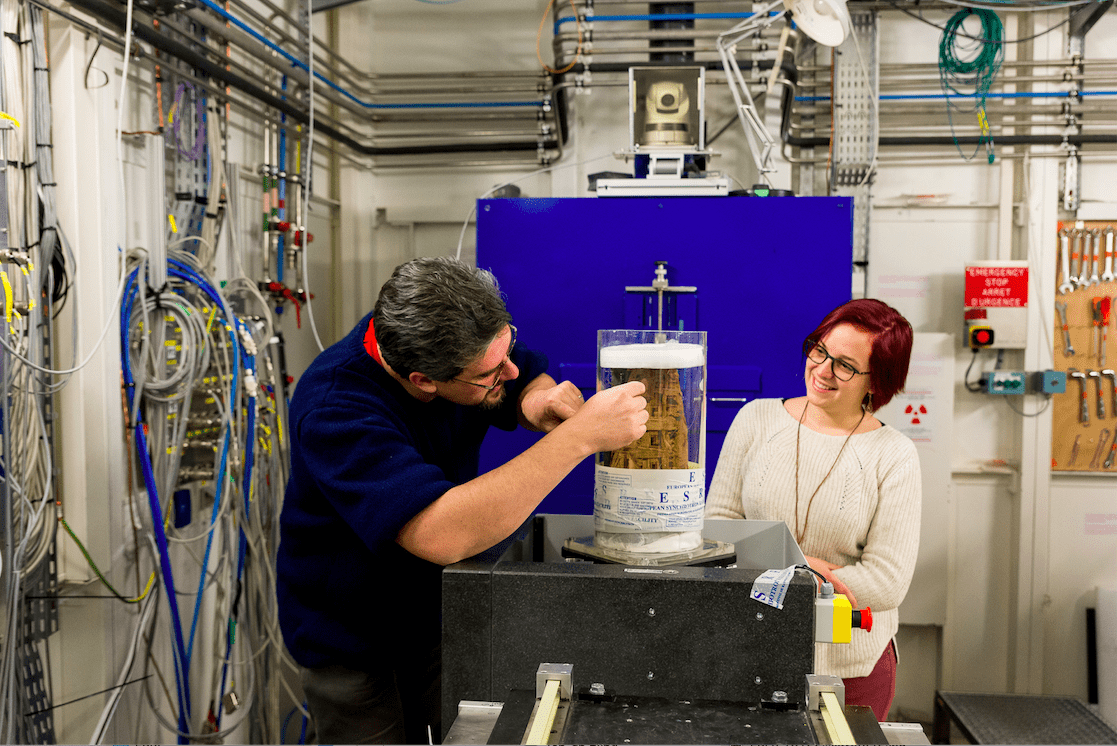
(639, 500)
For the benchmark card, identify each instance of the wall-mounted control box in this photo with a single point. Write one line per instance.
(996, 305)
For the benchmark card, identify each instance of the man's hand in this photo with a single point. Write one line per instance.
(613, 418)
(545, 407)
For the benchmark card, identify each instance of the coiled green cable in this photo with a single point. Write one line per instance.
(968, 66)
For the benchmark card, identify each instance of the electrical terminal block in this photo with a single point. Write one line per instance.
(1015, 382)
(1005, 382)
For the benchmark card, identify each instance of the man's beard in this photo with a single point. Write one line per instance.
(491, 402)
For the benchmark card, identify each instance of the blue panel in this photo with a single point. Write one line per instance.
(767, 270)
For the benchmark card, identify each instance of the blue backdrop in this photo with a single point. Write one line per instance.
(766, 270)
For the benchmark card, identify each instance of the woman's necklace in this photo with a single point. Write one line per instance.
(806, 519)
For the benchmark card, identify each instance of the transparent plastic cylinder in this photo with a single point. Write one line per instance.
(649, 497)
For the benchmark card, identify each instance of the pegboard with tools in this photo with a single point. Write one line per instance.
(1084, 426)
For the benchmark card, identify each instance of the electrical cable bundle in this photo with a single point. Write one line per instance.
(968, 65)
(185, 356)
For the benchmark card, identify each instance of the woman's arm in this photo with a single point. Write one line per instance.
(880, 578)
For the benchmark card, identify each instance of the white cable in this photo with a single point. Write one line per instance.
(145, 619)
(309, 306)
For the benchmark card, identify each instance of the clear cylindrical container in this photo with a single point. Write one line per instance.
(650, 497)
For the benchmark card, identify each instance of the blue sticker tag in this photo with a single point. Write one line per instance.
(771, 587)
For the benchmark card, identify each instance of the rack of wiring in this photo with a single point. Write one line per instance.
(36, 268)
(203, 397)
(1084, 425)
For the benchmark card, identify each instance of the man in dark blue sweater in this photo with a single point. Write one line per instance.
(386, 429)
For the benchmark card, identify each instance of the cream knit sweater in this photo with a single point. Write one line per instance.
(865, 516)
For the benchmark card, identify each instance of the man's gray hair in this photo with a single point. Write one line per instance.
(437, 315)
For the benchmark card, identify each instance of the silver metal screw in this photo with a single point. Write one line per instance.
(650, 675)
(757, 679)
(597, 688)
(759, 616)
(779, 697)
(651, 612)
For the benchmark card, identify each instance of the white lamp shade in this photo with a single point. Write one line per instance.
(825, 21)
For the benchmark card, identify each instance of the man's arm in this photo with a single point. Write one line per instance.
(474, 516)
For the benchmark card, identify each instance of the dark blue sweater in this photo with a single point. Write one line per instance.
(366, 458)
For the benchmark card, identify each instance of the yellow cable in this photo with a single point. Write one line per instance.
(7, 296)
(93, 565)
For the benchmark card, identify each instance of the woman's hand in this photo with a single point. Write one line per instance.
(826, 569)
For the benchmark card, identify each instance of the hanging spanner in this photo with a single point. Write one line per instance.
(1076, 244)
(1084, 410)
(1101, 394)
(1094, 240)
(1112, 451)
(1083, 278)
(1107, 275)
(1066, 286)
(1068, 350)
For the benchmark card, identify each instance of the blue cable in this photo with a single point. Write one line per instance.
(182, 674)
(283, 728)
(209, 544)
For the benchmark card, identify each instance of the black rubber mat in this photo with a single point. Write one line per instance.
(1016, 718)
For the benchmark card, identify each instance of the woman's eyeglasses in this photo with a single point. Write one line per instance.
(843, 371)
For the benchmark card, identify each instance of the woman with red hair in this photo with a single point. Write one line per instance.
(846, 484)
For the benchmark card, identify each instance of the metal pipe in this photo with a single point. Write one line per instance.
(144, 31)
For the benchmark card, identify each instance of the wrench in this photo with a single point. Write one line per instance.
(1095, 462)
(1083, 279)
(1112, 451)
(1066, 286)
(1084, 411)
(1095, 241)
(1101, 395)
(1075, 255)
(1108, 276)
(1068, 350)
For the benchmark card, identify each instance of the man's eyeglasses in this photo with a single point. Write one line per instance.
(843, 371)
(499, 369)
